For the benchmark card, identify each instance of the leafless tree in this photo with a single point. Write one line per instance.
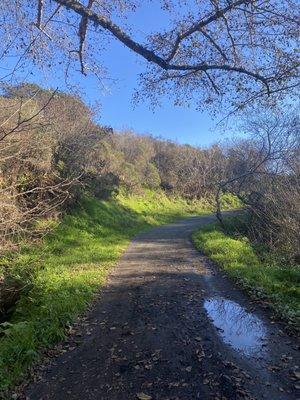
(30, 188)
(213, 51)
(265, 175)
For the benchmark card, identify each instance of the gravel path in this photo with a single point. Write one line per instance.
(169, 325)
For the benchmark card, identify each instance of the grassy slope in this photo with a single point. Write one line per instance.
(275, 284)
(64, 272)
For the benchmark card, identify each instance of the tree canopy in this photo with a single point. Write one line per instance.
(213, 52)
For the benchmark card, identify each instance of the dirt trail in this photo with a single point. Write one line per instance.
(164, 328)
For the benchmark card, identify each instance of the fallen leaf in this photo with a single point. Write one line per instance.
(297, 374)
(143, 396)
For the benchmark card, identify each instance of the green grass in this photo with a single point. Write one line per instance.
(60, 276)
(277, 285)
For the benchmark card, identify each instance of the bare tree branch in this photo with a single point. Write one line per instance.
(150, 55)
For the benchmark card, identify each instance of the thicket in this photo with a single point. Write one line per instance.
(265, 175)
(52, 154)
(51, 151)
(55, 159)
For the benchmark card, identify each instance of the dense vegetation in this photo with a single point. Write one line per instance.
(266, 178)
(72, 193)
(89, 190)
(51, 152)
(255, 269)
(77, 192)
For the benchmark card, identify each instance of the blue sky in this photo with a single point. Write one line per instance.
(184, 125)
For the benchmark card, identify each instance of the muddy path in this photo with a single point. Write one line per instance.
(169, 325)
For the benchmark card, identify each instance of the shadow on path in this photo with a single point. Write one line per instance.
(150, 333)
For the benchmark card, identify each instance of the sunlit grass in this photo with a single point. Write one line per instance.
(62, 274)
(277, 285)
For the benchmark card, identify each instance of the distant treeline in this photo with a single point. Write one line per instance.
(52, 151)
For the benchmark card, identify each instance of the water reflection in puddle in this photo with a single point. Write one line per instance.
(238, 328)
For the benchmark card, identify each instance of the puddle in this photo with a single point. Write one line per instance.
(242, 330)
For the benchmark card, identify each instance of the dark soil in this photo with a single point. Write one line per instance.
(148, 336)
